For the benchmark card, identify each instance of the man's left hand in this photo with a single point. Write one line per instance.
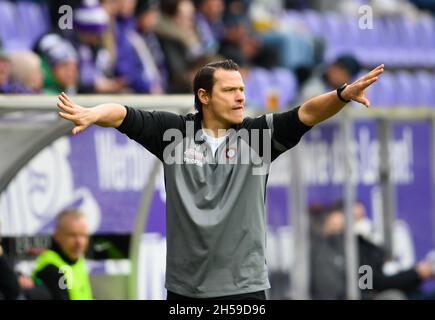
(356, 90)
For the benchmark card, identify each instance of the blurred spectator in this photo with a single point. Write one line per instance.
(239, 41)
(111, 7)
(425, 5)
(15, 286)
(403, 246)
(62, 267)
(209, 23)
(328, 273)
(281, 43)
(199, 63)
(178, 23)
(179, 40)
(295, 47)
(296, 4)
(327, 78)
(125, 21)
(338, 5)
(109, 36)
(392, 7)
(95, 63)
(9, 288)
(141, 60)
(59, 64)
(238, 44)
(7, 85)
(26, 69)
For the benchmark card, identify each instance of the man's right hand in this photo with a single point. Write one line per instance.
(105, 115)
(81, 117)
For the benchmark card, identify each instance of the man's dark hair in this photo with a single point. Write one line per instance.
(204, 78)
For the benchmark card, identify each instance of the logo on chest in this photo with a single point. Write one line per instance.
(195, 155)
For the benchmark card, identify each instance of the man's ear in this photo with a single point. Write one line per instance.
(203, 96)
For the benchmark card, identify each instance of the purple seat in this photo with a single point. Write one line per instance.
(286, 85)
(34, 21)
(368, 45)
(332, 29)
(425, 29)
(423, 84)
(294, 17)
(337, 41)
(406, 95)
(314, 22)
(425, 42)
(10, 29)
(406, 46)
(391, 40)
(383, 94)
(257, 84)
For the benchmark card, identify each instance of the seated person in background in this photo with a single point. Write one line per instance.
(96, 66)
(179, 42)
(59, 64)
(15, 286)
(26, 70)
(328, 272)
(7, 84)
(343, 70)
(9, 288)
(62, 267)
(403, 252)
(141, 60)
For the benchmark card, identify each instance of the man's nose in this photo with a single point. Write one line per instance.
(240, 97)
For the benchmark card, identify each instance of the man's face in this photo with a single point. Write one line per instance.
(213, 9)
(148, 20)
(334, 223)
(111, 7)
(337, 75)
(65, 73)
(185, 16)
(90, 38)
(227, 101)
(72, 236)
(126, 7)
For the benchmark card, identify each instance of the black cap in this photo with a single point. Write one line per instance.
(349, 63)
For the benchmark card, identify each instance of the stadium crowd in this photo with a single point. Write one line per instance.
(155, 47)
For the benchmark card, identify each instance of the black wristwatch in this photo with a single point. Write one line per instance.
(339, 90)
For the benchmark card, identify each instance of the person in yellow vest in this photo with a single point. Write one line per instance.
(62, 267)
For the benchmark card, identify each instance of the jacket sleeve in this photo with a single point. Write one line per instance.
(406, 281)
(148, 128)
(286, 129)
(51, 277)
